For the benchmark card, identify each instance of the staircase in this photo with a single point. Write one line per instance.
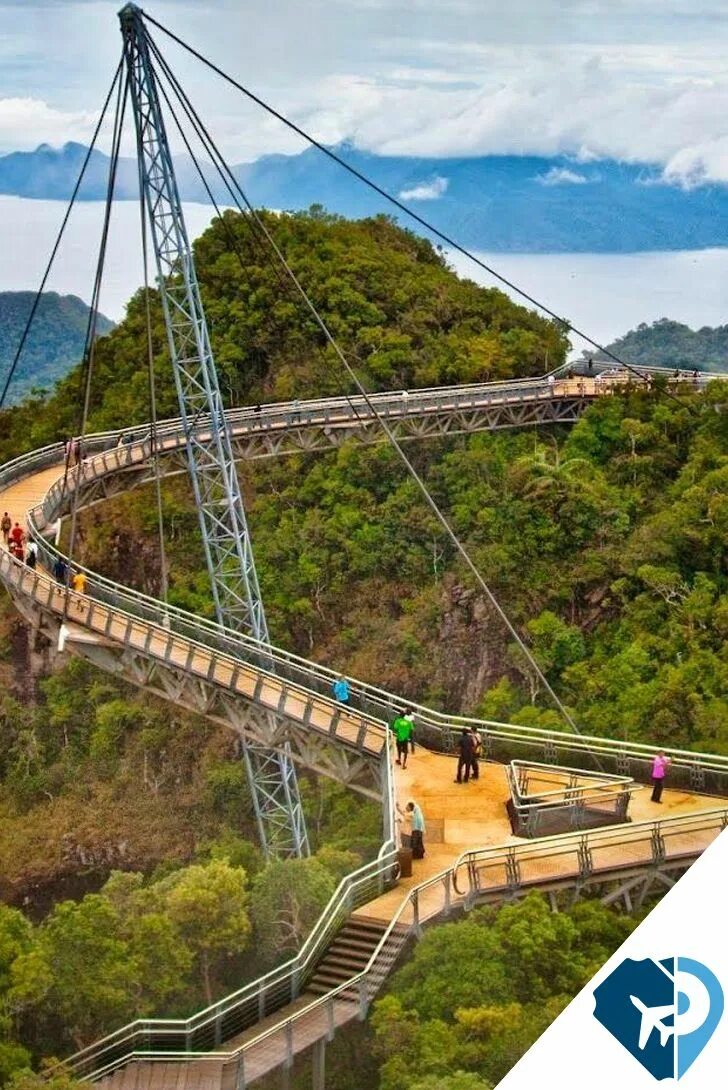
(349, 954)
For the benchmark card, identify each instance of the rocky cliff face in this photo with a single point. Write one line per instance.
(470, 653)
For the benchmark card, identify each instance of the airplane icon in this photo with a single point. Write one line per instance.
(652, 1018)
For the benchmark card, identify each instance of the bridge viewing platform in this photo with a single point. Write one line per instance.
(272, 696)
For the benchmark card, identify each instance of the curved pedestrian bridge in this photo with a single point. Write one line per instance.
(272, 696)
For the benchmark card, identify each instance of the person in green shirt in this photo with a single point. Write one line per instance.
(402, 727)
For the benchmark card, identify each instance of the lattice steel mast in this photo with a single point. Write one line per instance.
(225, 535)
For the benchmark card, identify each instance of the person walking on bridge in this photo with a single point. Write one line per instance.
(409, 714)
(17, 538)
(402, 728)
(660, 766)
(6, 525)
(340, 689)
(60, 570)
(31, 555)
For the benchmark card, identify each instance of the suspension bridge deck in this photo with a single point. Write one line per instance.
(468, 831)
(460, 817)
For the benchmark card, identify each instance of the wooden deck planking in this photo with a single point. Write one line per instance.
(461, 816)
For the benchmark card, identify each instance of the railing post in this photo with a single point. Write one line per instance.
(658, 843)
(697, 777)
(319, 1065)
(513, 871)
(295, 983)
(218, 1029)
(416, 927)
(448, 894)
(240, 1072)
(584, 856)
(288, 1062)
(363, 999)
(330, 1023)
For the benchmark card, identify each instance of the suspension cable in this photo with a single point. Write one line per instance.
(439, 515)
(447, 239)
(59, 237)
(249, 222)
(91, 338)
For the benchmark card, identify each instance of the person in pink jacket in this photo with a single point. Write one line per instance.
(660, 765)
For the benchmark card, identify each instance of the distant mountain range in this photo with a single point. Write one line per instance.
(497, 203)
(55, 343)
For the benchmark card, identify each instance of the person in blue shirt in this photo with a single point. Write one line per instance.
(340, 689)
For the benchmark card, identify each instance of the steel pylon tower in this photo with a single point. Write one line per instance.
(225, 535)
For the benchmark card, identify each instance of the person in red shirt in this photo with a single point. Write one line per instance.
(17, 536)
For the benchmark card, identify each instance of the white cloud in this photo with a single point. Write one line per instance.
(641, 105)
(561, 176)
(425, 191)
(27, 122)
(640, 80)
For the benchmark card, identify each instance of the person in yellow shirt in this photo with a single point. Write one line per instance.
(79, 582)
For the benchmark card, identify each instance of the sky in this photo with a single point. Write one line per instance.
(637, 80)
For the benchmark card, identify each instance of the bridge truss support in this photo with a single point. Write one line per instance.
(226, 539)
(627, 885)
(255, 726)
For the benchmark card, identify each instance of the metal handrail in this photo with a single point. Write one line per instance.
(599, 785)
(548, 846)
(292, 415)
(368, 699)
(591, 839)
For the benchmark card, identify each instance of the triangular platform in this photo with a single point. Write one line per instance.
(549, 799)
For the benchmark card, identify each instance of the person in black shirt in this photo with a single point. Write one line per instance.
(465, 756)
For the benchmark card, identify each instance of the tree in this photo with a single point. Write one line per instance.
(93, 976)
(459, 1080)
(51, 1077)
(288, 897)
(208, 903)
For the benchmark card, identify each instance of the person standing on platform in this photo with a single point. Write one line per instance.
(465, 756)
(340, 689)
(402, 727)
(660, 766)
(477, 750)
(404, 820)
(417, 834)
(6, 525)
(31, 555)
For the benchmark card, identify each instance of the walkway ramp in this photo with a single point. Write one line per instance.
(471, 855)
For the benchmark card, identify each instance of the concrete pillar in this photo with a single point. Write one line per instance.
(318, 1062)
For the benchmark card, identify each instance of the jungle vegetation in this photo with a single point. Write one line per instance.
(606, 542)
(55, 344)
(673, 344)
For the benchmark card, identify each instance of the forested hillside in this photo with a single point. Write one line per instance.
(55, 343)
(671, 344)
(607, 543)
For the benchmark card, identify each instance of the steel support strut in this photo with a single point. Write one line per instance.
(225, 535)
